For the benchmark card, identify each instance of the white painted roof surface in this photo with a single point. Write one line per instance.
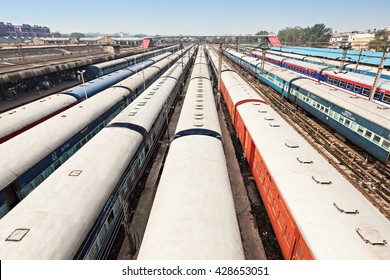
(60, 213)
(20, 117)
(193, 215)
(329, 233)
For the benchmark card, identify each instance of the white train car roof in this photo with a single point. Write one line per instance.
(65, 206)
(214, 58)
(34, 144)
(359, 106)
(18, 154)
(238, 88)
(193, 214)
(311, 188)
(20, 117)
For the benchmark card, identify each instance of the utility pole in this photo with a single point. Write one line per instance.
(21, 53)
(220, 51)
(345, 49)
(360, 55)
(379, 73)
(263, 50)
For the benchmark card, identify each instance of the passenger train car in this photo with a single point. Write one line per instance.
(366, 124)
(18, 120)
(100, 69)
(315, 212)
(77, 211)
(193, 214)
(29, 158)
(349, 66)
(351, 82)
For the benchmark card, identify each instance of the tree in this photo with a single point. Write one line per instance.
(77, 35)
(381, 40)
(319, 33)
(262, 32)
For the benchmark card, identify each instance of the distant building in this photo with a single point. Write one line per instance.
(361, 41)
(354, 40)
(24, 30)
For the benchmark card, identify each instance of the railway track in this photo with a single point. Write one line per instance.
(372, 179)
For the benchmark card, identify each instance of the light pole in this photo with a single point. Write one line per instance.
(82, 78)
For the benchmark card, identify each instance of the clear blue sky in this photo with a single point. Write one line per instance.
(202, 17)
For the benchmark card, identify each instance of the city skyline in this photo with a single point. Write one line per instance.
(175, 17)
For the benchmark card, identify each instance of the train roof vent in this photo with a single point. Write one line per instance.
(198, 124)
(304, 160)
(353, 97)
(382, 107)
(199, 100)
(274, 125)
(147, 98)
(256, 104)
(132, 113)
(262, 111)
(18, 234)
(199, 105)
(198, 118)
(333, 89)
(269, 118)
(75, 173)
(346, 208)
(371, 235)
(199, 95)
(198, 114)
(321, 180)
(141, 103)
(291, 145)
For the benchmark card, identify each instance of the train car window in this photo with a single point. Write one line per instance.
(335, 82)
(376, 139)
(349, 86)
(329, 80)
(342, 84)
(366, 91)
(326, 110)
(110, 217)
(357, 88)
(341, 119)
(386, 144)
(360, 130)
(368, 134)
(38, 180)
(347, 122)
(386, 98)
(377, 94)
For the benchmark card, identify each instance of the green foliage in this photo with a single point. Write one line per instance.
(76, 35)
(380, 41)
(318, 33)
(262, 32)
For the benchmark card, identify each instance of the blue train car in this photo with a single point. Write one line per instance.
(364, 123)
(29, 158)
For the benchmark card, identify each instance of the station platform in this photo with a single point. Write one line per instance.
(22, 98)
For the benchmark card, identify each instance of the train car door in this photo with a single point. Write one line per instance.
(9, 195)
(249, 149)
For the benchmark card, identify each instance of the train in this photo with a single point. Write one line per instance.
(100, 69)
(366, 124)
(348, 65)
(316, 213)
(22, 118)
(29, 158)
(193, 214)
(77, 211)
(354, 83)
